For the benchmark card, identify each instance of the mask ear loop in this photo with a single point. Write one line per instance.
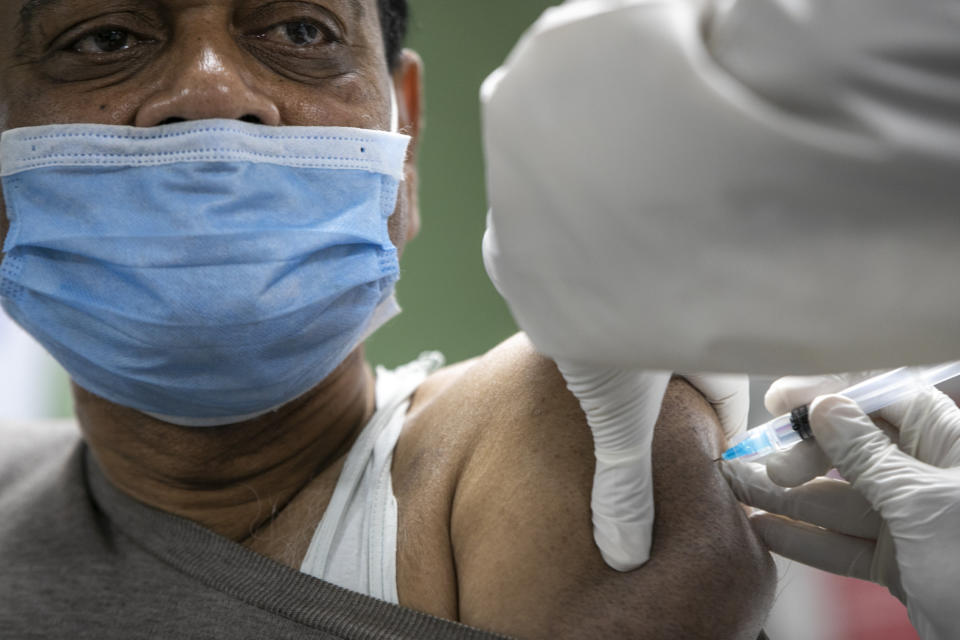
(394, 110)
(388, 308)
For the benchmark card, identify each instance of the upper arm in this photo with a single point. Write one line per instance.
(523, 540)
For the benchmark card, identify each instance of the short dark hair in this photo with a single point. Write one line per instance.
(393, 21)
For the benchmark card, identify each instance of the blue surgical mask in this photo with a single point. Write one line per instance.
(204, 272)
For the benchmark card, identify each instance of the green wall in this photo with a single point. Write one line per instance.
(449, 304)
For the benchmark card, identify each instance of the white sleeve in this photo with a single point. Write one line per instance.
(745, 185)
(885, 66)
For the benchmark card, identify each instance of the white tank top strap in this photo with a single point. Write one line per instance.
(355, 544)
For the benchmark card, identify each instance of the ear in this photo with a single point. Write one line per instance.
(408, 81)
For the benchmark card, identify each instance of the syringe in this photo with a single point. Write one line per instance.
(872, 395)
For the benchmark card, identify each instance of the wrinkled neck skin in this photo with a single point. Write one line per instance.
(233, 479)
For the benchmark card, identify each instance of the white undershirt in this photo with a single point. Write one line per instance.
(355, 544)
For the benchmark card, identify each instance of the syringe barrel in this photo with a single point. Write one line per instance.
(871, 395)
(883, 390)
(784, 432)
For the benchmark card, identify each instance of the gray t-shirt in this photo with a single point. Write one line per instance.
(80, 559)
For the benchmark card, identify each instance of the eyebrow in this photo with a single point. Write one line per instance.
(28, 15)
(30, 9)
(359, 10)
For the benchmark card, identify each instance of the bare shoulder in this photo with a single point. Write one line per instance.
(451, 416)
(489, 391)
(520, 463)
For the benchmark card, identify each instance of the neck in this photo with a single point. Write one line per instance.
(233, 479)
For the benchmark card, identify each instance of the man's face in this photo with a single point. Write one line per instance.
(148, 62)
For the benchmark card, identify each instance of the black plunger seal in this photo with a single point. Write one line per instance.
(800, 421)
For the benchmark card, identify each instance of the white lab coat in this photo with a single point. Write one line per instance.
(769, 186)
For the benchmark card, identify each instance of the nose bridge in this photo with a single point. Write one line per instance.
(203, 77)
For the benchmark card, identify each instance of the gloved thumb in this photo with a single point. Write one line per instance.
(729, 395)
(859, 450)
(623, 510)
(797, 466)
(621, 408)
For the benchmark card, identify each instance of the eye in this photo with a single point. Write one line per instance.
(106, 40)
(298, 33)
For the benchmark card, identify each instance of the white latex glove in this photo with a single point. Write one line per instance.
(897, 522)
(729, 395)
(622, 407)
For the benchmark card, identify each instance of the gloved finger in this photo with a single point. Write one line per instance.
(730, 397)
(823, 502)
(622, 406)
(800, 464)
(787, 393)
(859, 450)
(623, 511)
(885, 569)
(814, 546)
(930, 428)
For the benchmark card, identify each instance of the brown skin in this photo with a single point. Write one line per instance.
(494, 468)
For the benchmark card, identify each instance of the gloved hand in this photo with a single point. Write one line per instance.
(622, 407)
(895, 523)
(806, 460)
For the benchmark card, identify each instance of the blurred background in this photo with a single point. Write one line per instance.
(449, 304)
